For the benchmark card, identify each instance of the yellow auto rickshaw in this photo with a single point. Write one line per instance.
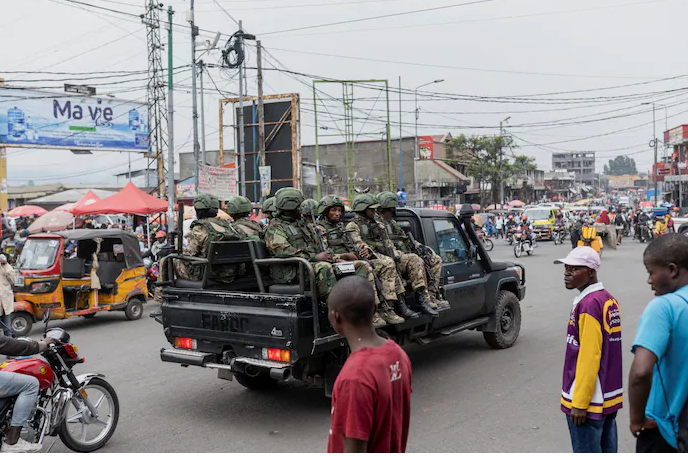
(590, 238)
(78, 273)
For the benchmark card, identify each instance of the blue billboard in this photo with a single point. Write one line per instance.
(32, 118)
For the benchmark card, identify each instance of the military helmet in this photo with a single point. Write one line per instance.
(309, 207)
(329, 201)
(387, 200)
(288, 199)
(206, 201)
(363, 202)
(269, 205)
(239, 205)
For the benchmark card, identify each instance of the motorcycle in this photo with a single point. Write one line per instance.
(83, 410)
(522, 243)
(510, 235)
(646, 231)
(487, 242)
(152, 271)
(558, 234)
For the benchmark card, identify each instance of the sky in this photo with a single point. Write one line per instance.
(571, 76)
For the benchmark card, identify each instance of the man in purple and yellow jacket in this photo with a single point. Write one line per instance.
(592, 390)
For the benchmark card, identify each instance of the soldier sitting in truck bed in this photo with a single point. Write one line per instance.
(239, 207)
(433, 262)
(370, 235)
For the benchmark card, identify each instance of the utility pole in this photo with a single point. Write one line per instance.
(416, 154)
(202, 65)
(653, 143)
(501, 160)
(242, 156)
(401, 141)
(261, 107)
(194, 120)
(170, 123)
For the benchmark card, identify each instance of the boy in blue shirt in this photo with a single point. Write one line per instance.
(658, 381)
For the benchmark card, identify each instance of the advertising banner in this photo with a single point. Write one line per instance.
(220, 182)
(265, 174)
(31, 118)
(426, 148)
(676, 135)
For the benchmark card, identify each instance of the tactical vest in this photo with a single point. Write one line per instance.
(250, 227)
(397, 236)
(372, 234)
(299, 237)
(338, 239)
(219, 230)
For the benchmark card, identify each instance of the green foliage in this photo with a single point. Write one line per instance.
(481, 153)
(621, 166)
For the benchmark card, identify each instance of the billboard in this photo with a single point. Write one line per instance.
(426, 148)
(220, 182)
(676, 135)
(31, 118)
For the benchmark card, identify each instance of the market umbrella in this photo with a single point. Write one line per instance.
(475, 207)
(437, 207)
(646, 204)
(67, 207)
(26, 211)
(516, 203)
(55, 221)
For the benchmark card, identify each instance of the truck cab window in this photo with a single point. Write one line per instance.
(452, 247)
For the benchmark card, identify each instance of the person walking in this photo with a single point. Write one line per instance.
(592, 387)
(371, 399)
(658, 380)
(499, 224)
(7, 275)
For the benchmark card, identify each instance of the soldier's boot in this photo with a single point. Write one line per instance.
(441, 303)
(402, 309)
(378, 321)
(386, 311)
(422, 303)
(429, 299)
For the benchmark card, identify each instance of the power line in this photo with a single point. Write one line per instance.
(403, 13)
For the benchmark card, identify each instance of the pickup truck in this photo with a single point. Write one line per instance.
(260, 333)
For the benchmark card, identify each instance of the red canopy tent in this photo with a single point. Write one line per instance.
(130, 200)
(85, 201)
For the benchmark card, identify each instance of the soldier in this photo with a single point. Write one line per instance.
(309, 208)
(239, 207)
(370, 235)
(339, 241)
(289, 236)
(433, 273)
(268, 208)
(204, 230)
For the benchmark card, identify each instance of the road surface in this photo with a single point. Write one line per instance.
(466, 397)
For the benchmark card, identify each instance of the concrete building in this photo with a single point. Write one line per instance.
(582, 164)
(560, 185)
(530, 187)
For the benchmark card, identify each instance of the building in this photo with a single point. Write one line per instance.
(20, 195)
(530, 187)
(142, 178)
(582, 165)
(673, 172)
(627, 182)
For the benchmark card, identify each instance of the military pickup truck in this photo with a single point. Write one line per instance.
(260, 333)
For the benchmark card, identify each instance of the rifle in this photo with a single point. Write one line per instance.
(424, 256)
(316, 233)
(378, 282)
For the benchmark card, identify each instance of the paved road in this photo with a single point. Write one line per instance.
(466, 397)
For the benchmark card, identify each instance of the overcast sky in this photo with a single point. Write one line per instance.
(490, 49)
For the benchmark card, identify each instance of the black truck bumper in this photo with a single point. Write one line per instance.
(277, 370)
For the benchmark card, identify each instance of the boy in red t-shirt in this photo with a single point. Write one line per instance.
(371, 401)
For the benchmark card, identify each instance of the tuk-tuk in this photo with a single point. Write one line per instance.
(78, 273)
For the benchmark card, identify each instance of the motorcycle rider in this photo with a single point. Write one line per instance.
(527, 228)
(239, 207)
(160, 247)
(642, 219)
(330, 209)
(370, 234)
(560, 224)
(387, 211)
(25, 388)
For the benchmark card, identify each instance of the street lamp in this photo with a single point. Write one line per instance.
(416, 155)
(501, 159)
(653, 143)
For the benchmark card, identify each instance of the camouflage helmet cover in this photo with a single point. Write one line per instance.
(363, 202)
(239, 205)
(387, 200)
(269, 205)
(329, 201)
(206, 201)
(288, 199)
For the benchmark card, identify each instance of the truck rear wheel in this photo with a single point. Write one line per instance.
(260, 382)
(508, 316)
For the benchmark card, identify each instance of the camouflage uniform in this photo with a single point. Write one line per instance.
(240, 205)
(202, 233)
(287, 237)
(268, 207)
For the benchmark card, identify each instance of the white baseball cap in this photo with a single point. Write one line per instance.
(581, 256)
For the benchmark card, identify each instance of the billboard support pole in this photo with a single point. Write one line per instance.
(170, 123)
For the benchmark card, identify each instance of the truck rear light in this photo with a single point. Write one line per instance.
(276, 354)
(185, 342)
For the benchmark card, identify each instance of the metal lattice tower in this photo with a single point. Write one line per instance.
(349, 137)
(156, 93)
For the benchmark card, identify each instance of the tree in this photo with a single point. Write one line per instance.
(621, 166)
(482, 155)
